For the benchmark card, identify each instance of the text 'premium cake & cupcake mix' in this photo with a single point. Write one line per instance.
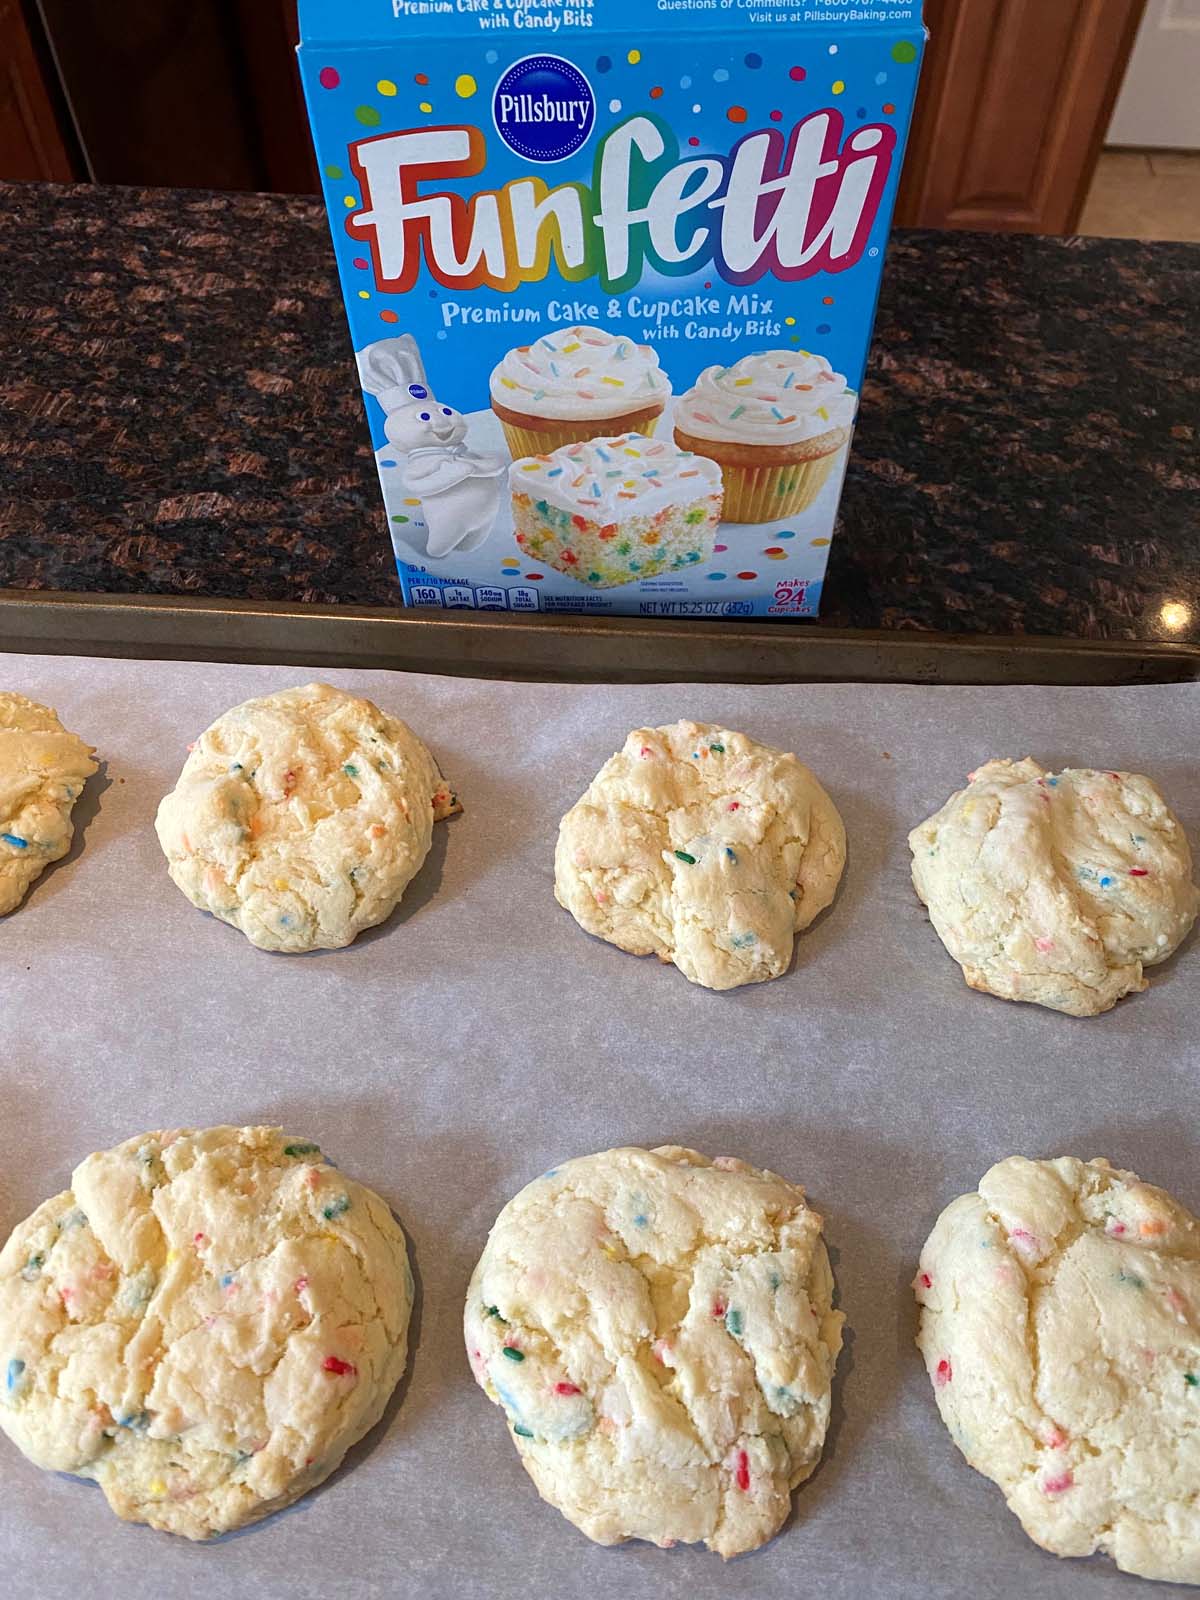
(611, 269)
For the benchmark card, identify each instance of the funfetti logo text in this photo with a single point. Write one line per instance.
(544, 108)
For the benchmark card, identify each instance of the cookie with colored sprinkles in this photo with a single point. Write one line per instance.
(204, 1323)
(302, 817)
(1057, 888)
(1058, 1326)
(659, 1331)
(43, 769)
(699, 845)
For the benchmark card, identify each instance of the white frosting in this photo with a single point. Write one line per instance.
(606, 479)
(575, 374)
(776, 397)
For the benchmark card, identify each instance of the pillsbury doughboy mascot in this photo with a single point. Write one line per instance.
(458, 488)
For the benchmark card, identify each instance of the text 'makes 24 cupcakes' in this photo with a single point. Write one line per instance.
(576, 384)
(609, 511)
(775, 423)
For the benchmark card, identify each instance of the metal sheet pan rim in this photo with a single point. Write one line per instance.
(571, 647)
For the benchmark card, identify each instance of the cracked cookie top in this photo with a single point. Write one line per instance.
(658, 1329)
(301, 817)
(1056, 888)
(204, 1323)
(701, 846)
(1059, 1325)
(43, 769)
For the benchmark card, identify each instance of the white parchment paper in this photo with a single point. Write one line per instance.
(480, 1037)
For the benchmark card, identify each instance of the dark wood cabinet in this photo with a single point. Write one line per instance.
(188, 93)
(35, 141)
(1015, 100)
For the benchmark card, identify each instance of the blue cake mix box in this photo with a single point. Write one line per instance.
(611, 269)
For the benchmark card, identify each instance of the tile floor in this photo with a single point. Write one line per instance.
(1145, 194)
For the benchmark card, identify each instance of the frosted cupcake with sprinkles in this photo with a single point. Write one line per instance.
(777, 423)
(575, 384)
(610, 511)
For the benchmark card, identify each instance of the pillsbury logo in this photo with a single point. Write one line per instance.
(544, 108)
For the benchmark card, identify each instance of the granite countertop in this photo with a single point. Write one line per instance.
(179, 415)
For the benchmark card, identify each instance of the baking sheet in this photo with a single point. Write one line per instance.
(480, 1037)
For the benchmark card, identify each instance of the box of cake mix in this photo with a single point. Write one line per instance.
(611, 268)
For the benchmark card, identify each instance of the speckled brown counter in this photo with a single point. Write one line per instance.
(179, 415)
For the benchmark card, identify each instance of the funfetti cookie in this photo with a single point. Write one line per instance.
(204, 1323)
(1058, 888)
(699, 845)
(302, 817)
(1059, 1329)
(574, 384)
(43, 769)
(613, 510)
(659, 1331)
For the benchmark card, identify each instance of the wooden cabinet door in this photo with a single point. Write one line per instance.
(1012, 112)
(33, 144)
(268, 33)
(181, 94)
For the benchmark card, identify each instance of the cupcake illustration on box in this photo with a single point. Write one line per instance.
(577, 384)
(611, 511)
(775, 423)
